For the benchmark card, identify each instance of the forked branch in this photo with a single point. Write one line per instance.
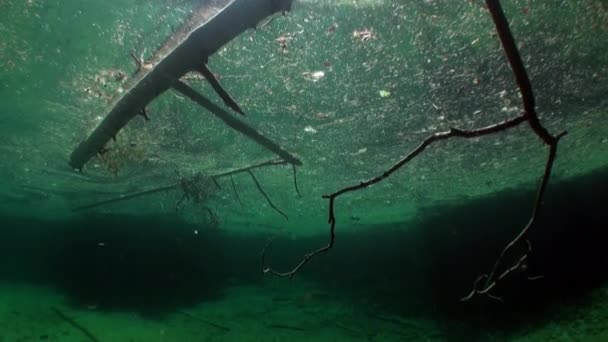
(486, 282)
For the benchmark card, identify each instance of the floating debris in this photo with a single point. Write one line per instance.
(321, 115)
(310, 129)
(313, 76)
(364, 35)
(359, 152)
(384, 93)
(283, 41)
(332, 28)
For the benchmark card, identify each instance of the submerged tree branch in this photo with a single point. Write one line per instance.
(261, 190)
(181, 184)
(528, 115)
(236, 193)
(295, 180)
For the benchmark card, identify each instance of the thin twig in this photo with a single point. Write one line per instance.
(272, 162)
(261, 190)
(491, 279)
(178, 185)
(217, 185)
(125, 197)
(295, 180)
(236, 193)
(215, 84)
(137, 60)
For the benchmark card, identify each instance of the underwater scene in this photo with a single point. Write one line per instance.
(303, 170)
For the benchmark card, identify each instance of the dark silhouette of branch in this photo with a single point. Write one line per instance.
(528, 115)
(273, 162)
(215, 84)
(492, 278)
(295, 180)
(125, 197)
(261, 190)
(179, 185)
(217, 185)
(236, 193)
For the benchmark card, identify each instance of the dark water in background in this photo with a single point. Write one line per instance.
(156, 265)
(443, 67)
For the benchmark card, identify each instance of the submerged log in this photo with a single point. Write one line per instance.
(190, 54)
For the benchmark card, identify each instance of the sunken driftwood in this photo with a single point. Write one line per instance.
(484, 284)
(189, 55)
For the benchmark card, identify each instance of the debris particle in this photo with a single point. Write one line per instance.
(384, 93)
(321, 115)
(364, 35)
(283, 40)
(313, 76)
(332, 28)
(310, 129)
(360, 151)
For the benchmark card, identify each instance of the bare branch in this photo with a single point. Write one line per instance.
(488, 281)
(519, 70)
(261, 190)
(295, 180)
(453, 132)
(236, 193)
(179, 185)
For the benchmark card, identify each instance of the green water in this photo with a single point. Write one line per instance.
(406, 249)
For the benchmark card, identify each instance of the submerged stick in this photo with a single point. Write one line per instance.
(75, 324)
(215, 84)
(126, 197)
(235, 123)
(236, 193)
(261, 190)
(178, 185)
